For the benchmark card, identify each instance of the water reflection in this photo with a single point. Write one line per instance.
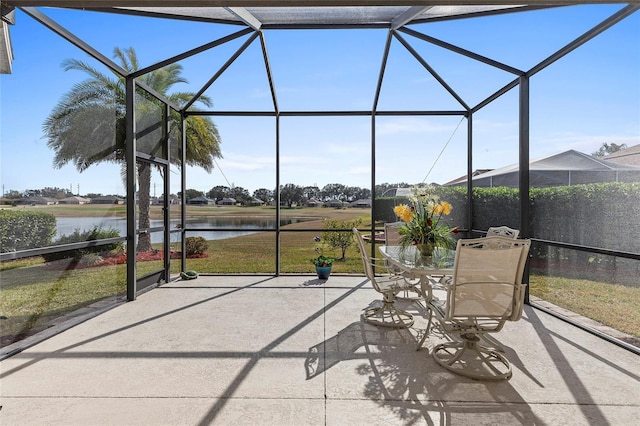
(248, 225)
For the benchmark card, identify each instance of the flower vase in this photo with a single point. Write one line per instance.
(323, 272)
(425, 249)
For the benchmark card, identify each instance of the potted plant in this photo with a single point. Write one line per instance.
(323, 263)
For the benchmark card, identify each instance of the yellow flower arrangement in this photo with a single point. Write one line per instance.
(422, 221)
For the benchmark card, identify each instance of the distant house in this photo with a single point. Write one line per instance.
(173, 199)
(227, 202)
(396, 192)
(201, 201)
(312, 202)
(256, 202)
(74, 200)
(363, 203)
(35, 201)
(629, 156)
(566, 168)
(107, 199)
(335, 203)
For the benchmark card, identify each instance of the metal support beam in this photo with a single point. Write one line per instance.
(523, 138)
(267, 65)
(373, 185)
(221, 70)
(278, 207)
(604, 25)
(166, 205)
(433, 72)
(523, 185)
(71, 38)
(8, 14)
(131, 167)
(383, 66)
(245, 16)
(192, 52)
(496, 95)
(183, 191)
(408, 16)
(470, 174)
(461, 51)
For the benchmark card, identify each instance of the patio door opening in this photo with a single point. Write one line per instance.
(152, 218)
(152, 201)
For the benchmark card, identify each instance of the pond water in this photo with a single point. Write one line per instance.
(249, 225)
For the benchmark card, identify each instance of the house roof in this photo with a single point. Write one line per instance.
(362, 201)
(6, 51)
(567, 160)
(571, 160)
(463, 179)
(629, 156)
(37, 200)
(200, 199)
(107, 197)
(75, 198)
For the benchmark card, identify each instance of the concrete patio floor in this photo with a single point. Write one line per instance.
(251, 350)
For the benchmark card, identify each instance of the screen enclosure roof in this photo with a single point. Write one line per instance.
(306, 13)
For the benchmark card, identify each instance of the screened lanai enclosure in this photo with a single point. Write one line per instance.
(243, 137)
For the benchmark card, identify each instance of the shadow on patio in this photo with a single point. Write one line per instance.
(291, 351)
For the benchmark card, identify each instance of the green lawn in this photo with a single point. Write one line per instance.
(614, 305)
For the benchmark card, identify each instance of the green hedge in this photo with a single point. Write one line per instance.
(23, 230)
(384, 208)
(455, 195)
(601, 215)
(96, 233)
(604, 215)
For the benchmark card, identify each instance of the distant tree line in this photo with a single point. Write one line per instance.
(292, 194)
(48, 192)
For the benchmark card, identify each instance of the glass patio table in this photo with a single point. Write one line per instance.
(429, 270)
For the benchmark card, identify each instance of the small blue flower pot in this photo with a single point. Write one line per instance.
(323, 272)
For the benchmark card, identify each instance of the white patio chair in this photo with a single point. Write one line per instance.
(502, 231)
(391, 233)
(506, 232)
(388, 285)
(485, 292)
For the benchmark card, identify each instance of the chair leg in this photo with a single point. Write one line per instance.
(481, 363)
(413, 294)
(426, 331)
(388, 315)
(491, 343)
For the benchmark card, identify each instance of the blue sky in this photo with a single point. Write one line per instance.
(587, 98)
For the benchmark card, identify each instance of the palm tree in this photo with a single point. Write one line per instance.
(87, 126)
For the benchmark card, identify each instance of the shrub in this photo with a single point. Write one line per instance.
(91, 259)
(196, 246)
(96, 233)
(23, 230)
(340, 240)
